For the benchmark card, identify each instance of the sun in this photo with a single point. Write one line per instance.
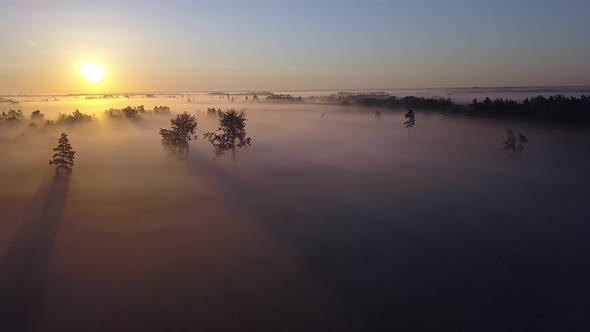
(93, 71)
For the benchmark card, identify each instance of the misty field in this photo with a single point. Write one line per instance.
(331, 220)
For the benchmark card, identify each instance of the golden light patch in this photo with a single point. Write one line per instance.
(93, 71)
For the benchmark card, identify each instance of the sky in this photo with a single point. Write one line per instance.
(187, 46)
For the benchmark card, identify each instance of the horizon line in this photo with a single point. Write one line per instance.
(288, 90)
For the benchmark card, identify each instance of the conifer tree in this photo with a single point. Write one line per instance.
(512, 144)
(63, 157)
(411, 120)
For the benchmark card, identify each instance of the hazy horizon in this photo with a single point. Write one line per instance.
(546, 89)
(211, 46)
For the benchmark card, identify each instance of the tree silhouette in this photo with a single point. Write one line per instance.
(522, 140)
(213, 112)
(231, 134)
(75, 118)
(176, 139)
(63, 157)
(512, 144)
(37, 116)
(161, 110)
(412, 102)
(130, 113)
(12, 116)
(411, 120)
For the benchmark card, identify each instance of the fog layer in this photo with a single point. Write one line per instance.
(331, 220)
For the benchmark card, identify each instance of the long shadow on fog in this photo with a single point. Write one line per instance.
(287, 211)
(24, 270)
(391, 274)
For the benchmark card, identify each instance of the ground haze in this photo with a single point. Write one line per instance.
(331, 220)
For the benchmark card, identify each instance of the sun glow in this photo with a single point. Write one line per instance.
(93, 71)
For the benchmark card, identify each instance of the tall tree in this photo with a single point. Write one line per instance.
(231, 134)
(410, 120)
(182, 131)
(63, 157)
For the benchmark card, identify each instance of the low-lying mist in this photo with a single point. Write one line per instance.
(333, 219)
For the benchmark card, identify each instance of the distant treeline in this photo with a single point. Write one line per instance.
(37, 118)
(439, 104)
(134, 113)
(556, 108)
(287, 97)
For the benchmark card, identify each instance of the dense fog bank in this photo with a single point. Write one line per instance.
(332, 218)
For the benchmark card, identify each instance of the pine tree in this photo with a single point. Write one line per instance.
(411, 120)
(510, 142)
(63, 157)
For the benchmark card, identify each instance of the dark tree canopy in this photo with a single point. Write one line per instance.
(75, 118)
(131, 113)
(284, 98)
(135, 113)
(556, 108)
(12, 116)
(63, 157)
(439, 104)
(231, 134)
(176, 139)
(37, 116)
(161, 110)
(410, 119)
